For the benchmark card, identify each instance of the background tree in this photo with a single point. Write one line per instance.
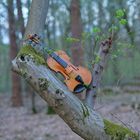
(20, 17)
(16, 85)
(37, 19)
(76, 32)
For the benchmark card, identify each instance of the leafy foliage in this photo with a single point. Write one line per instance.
(120, 13)
(123, 21)
(96, 30)
(72, 39)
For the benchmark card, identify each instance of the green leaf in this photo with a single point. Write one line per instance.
(113, 28)
(85, 35)
(120, 13)
(97, 59)
(123, 21)
(71, 39)
(96, 30)
(118, 50)
(114, 56)
(97, 38)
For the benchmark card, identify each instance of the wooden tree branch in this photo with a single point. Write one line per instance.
(81, 119)
(97, 71)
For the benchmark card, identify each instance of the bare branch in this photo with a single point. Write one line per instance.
(84, 121)
(80, 118)
(97, 72)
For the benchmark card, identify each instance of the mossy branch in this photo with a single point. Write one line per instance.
(84, 121)
(118, 132)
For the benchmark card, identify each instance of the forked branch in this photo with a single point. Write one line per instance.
(83, 120)
(97, 71)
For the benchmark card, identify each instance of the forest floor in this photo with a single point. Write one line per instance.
(22, 124)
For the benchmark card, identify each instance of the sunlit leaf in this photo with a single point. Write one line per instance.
(120, 13)
(71, 39)
(85, 35)
(113, 28)
(97, 37)
(96, 30)
(114, 56)
(123, 21)
(97, 59)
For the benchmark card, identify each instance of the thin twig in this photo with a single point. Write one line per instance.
(125, 124)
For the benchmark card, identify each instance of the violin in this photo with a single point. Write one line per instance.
(77, 78)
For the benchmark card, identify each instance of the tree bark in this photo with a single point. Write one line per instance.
(16, 85)
(20, 17)
(97, 72)
(84, 121)
(76, 31)
(37, 17)
(36, 25)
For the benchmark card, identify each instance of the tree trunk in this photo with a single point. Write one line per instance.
(16, 84)
(76, 31)
(22, 31)
(20, 17)
(36, 25)
(37, 18)
(1, 38)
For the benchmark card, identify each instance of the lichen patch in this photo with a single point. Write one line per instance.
(43, 84)
(30, 51)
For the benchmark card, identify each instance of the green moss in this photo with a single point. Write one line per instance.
(118, 132)
(50, 110)
(85, 110)
(34, 110)
(28, 50)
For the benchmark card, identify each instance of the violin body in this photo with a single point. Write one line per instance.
(71, 72)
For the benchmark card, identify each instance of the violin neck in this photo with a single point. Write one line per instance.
(59, 60)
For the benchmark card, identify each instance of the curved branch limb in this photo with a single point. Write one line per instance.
(97, 72)
(84, 121)
(81, 119)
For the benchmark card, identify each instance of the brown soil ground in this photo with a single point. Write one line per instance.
(21, 124)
